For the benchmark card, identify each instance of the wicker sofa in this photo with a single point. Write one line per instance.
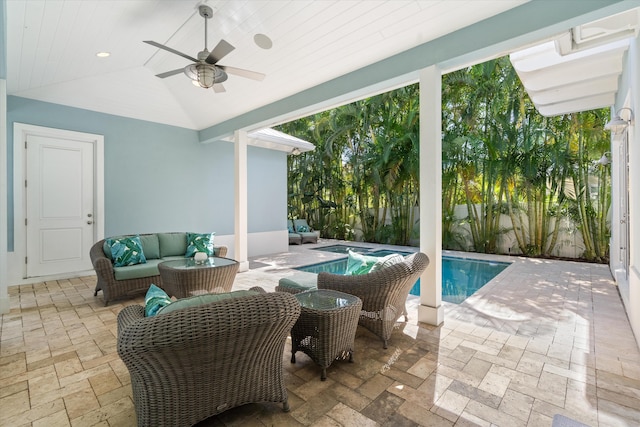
(117, 282)
(193, 363)
(383, 292)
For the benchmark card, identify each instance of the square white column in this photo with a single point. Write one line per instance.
(4, 284)
(241, 223)
(431, 310)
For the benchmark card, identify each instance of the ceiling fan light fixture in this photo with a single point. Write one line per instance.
(205, 75)
(192, 72)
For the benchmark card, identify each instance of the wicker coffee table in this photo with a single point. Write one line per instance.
(184, 277)
(326, 328)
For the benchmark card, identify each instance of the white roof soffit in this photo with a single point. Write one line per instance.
(579, 70)
(275, 140)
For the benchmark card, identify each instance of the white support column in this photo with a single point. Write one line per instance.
(4, 284)
(431, 310)
(241, 223)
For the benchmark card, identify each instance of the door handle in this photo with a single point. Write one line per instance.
(89, 222)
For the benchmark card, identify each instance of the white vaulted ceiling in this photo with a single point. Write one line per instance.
(322, 50)
(52, 46)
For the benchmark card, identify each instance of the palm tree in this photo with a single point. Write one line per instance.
(500, 157)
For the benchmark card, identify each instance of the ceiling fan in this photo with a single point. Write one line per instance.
(205, 70)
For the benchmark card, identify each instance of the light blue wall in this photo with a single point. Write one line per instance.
(267, 189)
(159, 177)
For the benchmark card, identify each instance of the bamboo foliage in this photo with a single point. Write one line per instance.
(501, 159)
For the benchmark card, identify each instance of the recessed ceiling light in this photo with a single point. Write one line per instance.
(263, 41)
(103, 54)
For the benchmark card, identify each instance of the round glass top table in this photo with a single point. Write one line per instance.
(185, 277)
(326, 328)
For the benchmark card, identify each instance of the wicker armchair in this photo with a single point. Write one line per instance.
(383, 292)
(191, 364)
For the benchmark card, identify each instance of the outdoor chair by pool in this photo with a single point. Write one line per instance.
(196, 362)
(301, 227)
(383, 292)
(294, 238)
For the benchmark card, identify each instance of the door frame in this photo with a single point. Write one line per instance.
(624, 196)
(17, 267)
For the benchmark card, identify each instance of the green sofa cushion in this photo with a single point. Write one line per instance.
(172, 244)
(203, 299)
(150, 246)
(172, 258)
(150, 268)
(301, 282)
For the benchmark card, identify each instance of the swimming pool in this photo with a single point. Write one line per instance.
(461, 277)
(342, 249)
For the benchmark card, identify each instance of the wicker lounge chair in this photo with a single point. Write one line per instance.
(308, 236)
(383, 292)
(191, 364)
(294, 238)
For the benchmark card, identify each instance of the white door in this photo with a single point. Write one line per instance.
(59, 205)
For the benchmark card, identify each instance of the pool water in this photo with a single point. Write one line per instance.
(342, 249)
(461, 277)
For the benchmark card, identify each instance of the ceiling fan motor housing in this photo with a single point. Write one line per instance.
(205, 11)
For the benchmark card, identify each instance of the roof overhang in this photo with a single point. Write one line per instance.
(275, 140)
(578, 70)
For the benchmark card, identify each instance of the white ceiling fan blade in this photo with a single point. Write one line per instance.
(218, 88)
(243, 73)
(170, 73)
(168, 49)
(222, 49)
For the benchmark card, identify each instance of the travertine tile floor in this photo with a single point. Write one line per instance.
(543, 338)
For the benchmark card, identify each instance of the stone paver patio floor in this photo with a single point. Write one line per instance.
(543, 338)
